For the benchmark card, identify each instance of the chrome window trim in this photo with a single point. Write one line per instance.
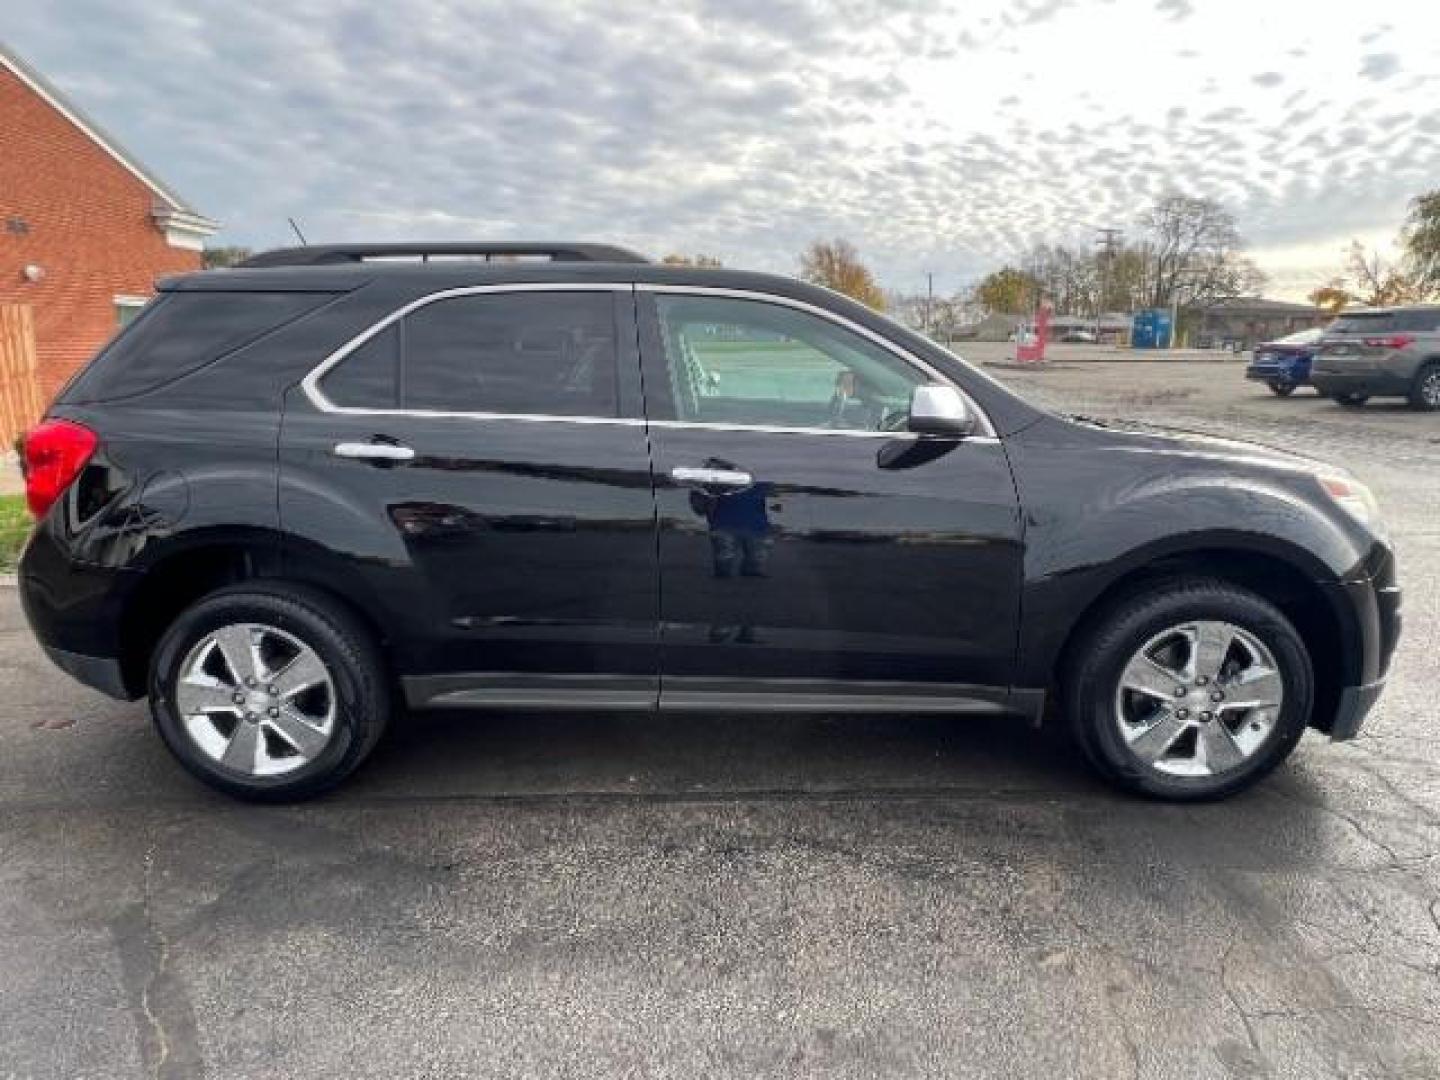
(310, 384)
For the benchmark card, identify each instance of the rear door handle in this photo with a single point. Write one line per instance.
(725, 478)
(374, 451)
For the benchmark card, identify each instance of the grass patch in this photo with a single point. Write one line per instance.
(15, 524)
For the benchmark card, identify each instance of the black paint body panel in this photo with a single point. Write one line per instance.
(537, 562)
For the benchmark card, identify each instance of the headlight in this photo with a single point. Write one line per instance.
(1355, 499)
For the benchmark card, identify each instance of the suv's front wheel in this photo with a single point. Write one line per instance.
(269, 691)
(1192, 691)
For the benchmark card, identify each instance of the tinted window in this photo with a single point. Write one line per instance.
(755, 363)
(369, 377)
(1423, 321)
(1381, 322)
(180, 333)
(545, 353)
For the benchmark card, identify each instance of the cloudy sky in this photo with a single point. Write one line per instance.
(936, 136)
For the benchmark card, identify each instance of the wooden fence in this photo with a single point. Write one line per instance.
(20, 401)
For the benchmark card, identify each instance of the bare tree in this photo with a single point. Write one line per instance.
(1375, 280)
(1194, 253)
(1421, 240)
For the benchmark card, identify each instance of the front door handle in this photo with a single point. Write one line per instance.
(374, 451)
(723, 478)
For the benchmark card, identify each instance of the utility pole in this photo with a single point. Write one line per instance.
(1108, 241)
(929, 303)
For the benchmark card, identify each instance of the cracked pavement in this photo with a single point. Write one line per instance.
(745, 896)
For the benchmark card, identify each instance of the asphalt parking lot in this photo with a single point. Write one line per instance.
(580, 895)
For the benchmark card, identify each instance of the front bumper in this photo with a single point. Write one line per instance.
(1355, 705)
(1373, 600)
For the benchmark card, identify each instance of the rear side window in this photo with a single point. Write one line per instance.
(369, 377)
(180, 333)
(1415, 320)
(1422, 321)
(540, 354)
(1382, 322)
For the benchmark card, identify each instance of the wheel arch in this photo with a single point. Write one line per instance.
(1294, 581)
(207, 562)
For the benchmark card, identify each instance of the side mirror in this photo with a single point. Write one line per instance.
(940, 410)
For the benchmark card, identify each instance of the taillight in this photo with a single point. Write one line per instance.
(55, 452)
(1392, 341)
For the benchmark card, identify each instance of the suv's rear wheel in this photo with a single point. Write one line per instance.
(1281, 387)
(1352, 401)
(1425, 391)
(1191, 692)
(268, 691)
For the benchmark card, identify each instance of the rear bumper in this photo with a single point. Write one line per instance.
(101, 673)
(1274, 372)
(75, 611)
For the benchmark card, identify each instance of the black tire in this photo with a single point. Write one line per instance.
(344, 645)
(1281, 387)
(1425, 390)
(1351, 401)
(1092, 679)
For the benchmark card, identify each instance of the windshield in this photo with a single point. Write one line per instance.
(1302, 337)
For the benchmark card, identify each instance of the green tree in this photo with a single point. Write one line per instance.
(1008, 291)
(215, 257)
(837, 265)
(1420, 239)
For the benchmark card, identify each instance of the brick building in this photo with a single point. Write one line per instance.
(85, 228)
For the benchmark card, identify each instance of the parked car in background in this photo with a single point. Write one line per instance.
(1385, 352)
(1079, 337)
(295, 497)
(1284, 364)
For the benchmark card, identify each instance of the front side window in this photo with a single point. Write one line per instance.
(752, 363)
(542, 353)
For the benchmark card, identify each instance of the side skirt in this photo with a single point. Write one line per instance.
(697, 695)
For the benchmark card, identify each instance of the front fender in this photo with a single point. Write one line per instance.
(1114, 511)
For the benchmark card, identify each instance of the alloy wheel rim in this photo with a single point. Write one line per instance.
(1430, 389)
(256, 700)
(1199, 699)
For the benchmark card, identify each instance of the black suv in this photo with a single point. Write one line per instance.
(292, 496)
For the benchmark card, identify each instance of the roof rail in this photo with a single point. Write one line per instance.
(333, 254)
